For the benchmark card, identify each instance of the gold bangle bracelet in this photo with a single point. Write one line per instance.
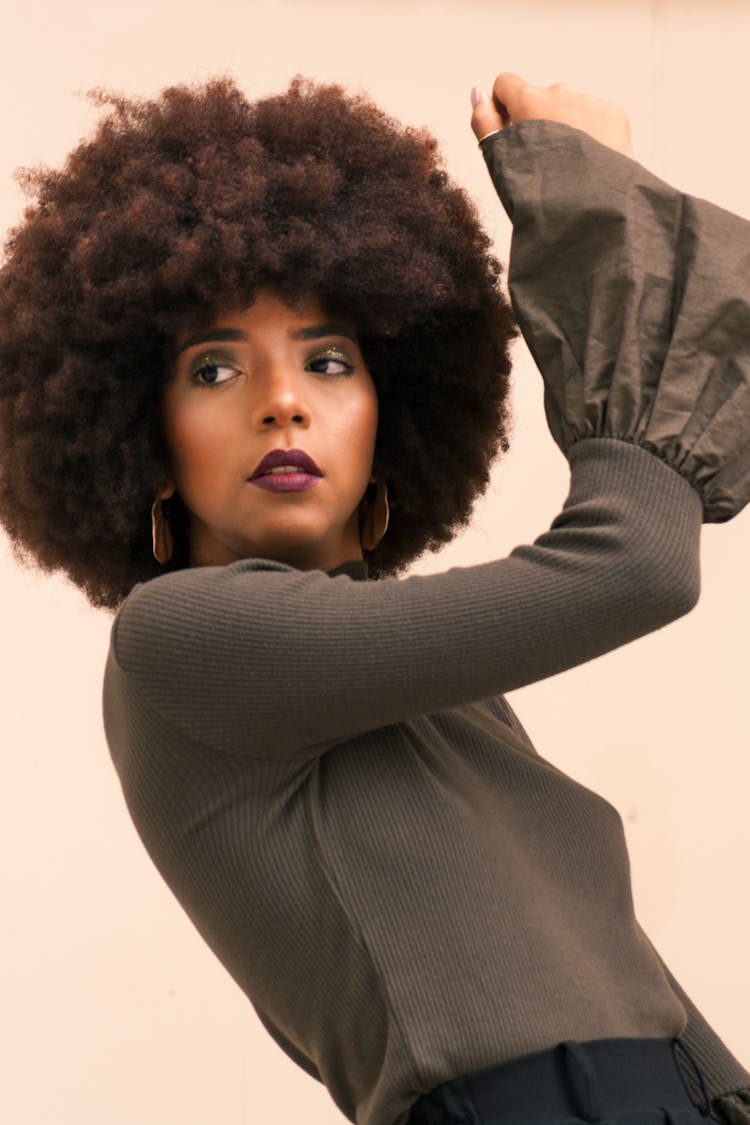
(486, 135)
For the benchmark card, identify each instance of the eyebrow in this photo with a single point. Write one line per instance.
(226, 335)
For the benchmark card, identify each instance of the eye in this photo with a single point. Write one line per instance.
(214, 370)
(334, 356)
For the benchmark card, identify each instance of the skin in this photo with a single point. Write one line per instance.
(229, 403)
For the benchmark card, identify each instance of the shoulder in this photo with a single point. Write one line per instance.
(182, 599)
(194, 580)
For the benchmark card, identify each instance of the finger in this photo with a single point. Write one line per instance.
(485, 117)
(509, 94)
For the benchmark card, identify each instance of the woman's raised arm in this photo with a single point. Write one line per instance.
(261, 659)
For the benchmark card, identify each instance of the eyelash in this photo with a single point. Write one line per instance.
(208, 361)
(218, 361)
(337, 356)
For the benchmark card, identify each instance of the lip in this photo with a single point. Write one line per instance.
(286, 482)
(278, 457)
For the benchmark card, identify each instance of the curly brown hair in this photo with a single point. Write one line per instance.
(187, 204)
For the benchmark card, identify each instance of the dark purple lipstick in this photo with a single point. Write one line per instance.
(286, 470)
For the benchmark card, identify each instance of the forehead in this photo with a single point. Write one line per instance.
(268, 311)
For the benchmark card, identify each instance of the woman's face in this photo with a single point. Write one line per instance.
(262, 379)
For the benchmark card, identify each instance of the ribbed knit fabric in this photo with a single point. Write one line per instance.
(324, 768)
(326, 774)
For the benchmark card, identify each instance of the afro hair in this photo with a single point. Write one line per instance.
(187, 204)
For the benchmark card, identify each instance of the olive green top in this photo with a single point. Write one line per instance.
(324, 768)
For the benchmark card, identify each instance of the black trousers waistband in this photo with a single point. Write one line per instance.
(593, 1081)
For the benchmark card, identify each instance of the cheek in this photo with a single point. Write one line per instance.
(195, 439)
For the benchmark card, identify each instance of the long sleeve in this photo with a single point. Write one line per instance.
(634, 299)
(261, 659)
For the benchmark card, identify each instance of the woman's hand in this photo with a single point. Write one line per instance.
(514, 100)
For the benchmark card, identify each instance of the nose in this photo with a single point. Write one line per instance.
(280, 397)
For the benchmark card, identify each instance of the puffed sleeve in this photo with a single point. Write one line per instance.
(634, 300)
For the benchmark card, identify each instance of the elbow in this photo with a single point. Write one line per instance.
(667, 589)
(683, 596)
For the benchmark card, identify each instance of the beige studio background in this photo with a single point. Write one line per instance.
(114, 1012)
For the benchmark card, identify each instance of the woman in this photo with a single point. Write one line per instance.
(284, 337)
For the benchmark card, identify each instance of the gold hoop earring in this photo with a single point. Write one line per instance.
(373, 518)
(162, 540)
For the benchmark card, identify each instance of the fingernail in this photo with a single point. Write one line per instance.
(476, 95)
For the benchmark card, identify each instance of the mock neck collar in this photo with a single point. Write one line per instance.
(356, 569)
